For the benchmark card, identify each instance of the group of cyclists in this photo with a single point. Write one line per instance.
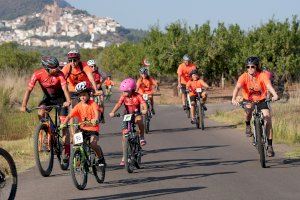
(77, 87)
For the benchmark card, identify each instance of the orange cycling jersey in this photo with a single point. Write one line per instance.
(145, 86)
(131, 103)
(86, 112)
(75, 75)
(254, 88)
(184, 72)
(50, 84)
(193, 85)
(108, 82)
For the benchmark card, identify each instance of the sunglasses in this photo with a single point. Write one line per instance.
(251, 66)
(72, 60)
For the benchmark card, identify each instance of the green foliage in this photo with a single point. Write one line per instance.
(217, 52)
(80, 12)
(14, 58)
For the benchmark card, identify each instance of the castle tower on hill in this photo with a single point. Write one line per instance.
(53, 13)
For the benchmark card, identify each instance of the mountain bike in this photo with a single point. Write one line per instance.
(132, 151)
(187, 104)
(199, 110)
(259, 134)
(83, 160)
(48, 141)
(148, 116)
(8, 176)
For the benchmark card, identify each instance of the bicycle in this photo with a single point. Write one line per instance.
(48, 141)
(148, 116)
(259, 134)
(8, 176)
(132, 151)
(199, 110)
(83, 160)
(108, 93)
(187, 104)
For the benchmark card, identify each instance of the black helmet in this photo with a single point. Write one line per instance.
(194, 71)
(50, 62)
(254, 60)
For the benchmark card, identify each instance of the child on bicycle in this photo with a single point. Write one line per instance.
(87, 113)
(192, 85)
(134, 104)
(145, 85)
(108, 84)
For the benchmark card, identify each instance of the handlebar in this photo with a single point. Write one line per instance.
(29, 110)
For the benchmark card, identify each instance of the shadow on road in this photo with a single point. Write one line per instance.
(283, 163)
(145, 194)
(189, 148)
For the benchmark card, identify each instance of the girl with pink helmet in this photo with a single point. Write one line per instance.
(134, 103)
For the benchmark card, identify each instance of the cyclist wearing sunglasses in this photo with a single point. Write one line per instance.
(255, 85)
(77, 71)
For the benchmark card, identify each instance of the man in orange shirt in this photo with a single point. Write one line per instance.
(87, 111)
(145, 85)
(255, 85)
(192, 85)
(183, 72)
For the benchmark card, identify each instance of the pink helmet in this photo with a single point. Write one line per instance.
(128, 85)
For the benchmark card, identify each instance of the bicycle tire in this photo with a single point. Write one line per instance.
(138, 156)
(146, 124)
(202, 118)
(127, 156)
(260, 144)
(77, 154)
(13, 172)
(44, 172)
(197, 115)
(101, 170)
(63, 166)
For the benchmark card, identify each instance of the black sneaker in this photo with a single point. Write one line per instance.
(248, 131)
(204, 108)
(270, 151)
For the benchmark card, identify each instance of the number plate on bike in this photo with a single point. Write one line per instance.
(78, 138)
(145, 97)
(127, 118)
(199, 90)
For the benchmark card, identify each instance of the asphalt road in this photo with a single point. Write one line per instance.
(180, 162)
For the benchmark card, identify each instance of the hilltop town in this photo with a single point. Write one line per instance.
(59, 27)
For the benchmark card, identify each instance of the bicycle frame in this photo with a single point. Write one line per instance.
(258, 114)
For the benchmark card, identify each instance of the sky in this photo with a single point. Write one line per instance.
(142, 14)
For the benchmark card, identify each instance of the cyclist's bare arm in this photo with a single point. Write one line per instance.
(67, 95)
(235, 93)
(179, 80)
(91, 79)
(114, 110)
(273, 92)
(205, 85)
(25, 100)
(144, 108)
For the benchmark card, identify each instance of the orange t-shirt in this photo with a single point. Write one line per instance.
(184, 72)
(108, 82)
(145, 86)
(77, 75)
(86, 112)
(254, 88)
(193, 85)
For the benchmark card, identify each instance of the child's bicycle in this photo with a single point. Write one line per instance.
(132, 151)
(83, 160)
(148, 116)
(48, 141)
(199, 110)
(108, 93)
(8, 176)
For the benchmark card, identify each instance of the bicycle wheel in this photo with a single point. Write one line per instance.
(78, 169)
(138, 155)
(8, 176)
(146, 124)
(201, 117)
(43, 152)
(61, 153)
(99, 173)
(260, 143)
(197, 115)
(128, 155)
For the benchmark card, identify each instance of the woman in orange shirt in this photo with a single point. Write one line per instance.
(145, 85)
(255, 85)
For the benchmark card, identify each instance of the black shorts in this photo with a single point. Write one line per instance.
(260, 105)
(89, 133)
(183, 88)
(193, 98)
(52, 101)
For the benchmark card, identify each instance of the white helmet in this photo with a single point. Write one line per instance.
(82, 87)
(91, 62)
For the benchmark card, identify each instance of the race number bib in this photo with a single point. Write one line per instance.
(145, 97)
(127, 117)
(199, 90)
(78, 138)
(109, 87)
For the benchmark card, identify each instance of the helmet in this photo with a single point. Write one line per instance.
(186, 57)
(143, 70)
(128, 85)
(91, 63)
(73, 54)
(146, 62)
(49, 62)
(254, 60)
(195, 71)
(82, 87)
